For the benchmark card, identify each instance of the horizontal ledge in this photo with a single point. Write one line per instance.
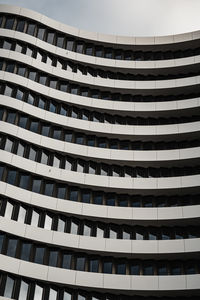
(183, 215)
(95, 82)
(116, 247)
(109, 130)
(110, 64)
(105, 282)
(104, 105)
(94, 36)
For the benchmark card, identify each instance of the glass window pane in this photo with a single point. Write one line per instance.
(25, 251)
(34, 126)
(9, 23)
(1, 241)
(38, 293)
(8, 145)
(48, 222)
(107, 267)
(50, 37)
(23, 291)
(20, 26)
(61, 225)
(67, 296)
(9, 287)
(53, 256)
(80, 263)
(73, 195)
(66, 264)
(24, 180)
(41, 103)
(31, 29)
(36, 185)
(8, 91)
(39, 255)
(8, 210)
(94, 265)
(49, 189)
(21, 215)
(61, 192)
(40, 33)
(32, 154)
(12, 246)
(11, 117)
(52, 294)
(23, 121)
(11, 178)
(35, 218)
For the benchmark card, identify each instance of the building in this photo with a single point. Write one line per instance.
(100, 148)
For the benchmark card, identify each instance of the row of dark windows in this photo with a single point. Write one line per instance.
(38, 184)
(70, 163)
(52, 256)
(77, 89)
(52, 60)
(51, 221)
(21, 288)
(71, 136)
(71, 43)
(58, 107)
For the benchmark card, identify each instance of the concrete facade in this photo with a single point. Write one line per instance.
(99, 163)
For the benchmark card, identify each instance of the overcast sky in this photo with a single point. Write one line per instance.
(122, 17)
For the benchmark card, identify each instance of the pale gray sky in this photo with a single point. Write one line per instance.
(122, 17)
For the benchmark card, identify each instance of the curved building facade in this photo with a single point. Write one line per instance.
(99, 163)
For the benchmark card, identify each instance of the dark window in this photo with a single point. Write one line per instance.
(45, 130)
(34, 126)
(19, 94)
(32, 75)
(31, 29)
(66, 263)
(11, 117)
(57, 134)
(20, 25)
(80, 263)
(73, 195)
(10, 67)
(1, 172)
(32, 154)
(25, 251)
(21, 71)
(8, 91)
(1, 241)
(43, 79)
(107, 267)
(135, 269)
(24, 180)
(49, 189)
(11, 177)
(36, 185)
(12, 246)
(60, 41)
(9, 23)
(53, 256)
(50, 37)
(39, 255)
(148, 269)
(40, 34)
(162, 269)
(61, 192)
(85, 196)
(7, 45)
(98, 198)
(121, 268)
(94, 265)
(70, 45)
(23, 121)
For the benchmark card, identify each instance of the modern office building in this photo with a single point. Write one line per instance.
(99, 163)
